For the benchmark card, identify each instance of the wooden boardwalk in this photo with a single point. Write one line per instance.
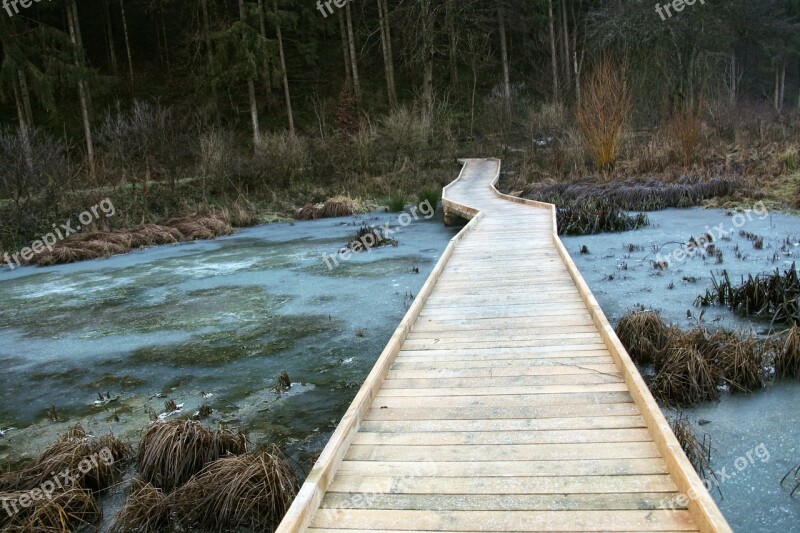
(503, 402)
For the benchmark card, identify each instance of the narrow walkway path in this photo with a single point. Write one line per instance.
(504, 402)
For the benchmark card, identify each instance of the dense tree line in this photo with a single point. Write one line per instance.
(263, 62)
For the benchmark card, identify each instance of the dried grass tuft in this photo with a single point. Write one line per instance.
(684, 376)
(787, 361)
(66, 455)
(307, 212)
(145, 511)
(644, 334)
(170, 453)
(67, 511)
(340, 206)
(250, 492)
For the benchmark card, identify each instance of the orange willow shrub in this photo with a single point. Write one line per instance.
(604, 110)
(686, 129)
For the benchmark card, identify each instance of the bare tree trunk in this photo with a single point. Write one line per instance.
(24, 127)
(348, 68)
(164, 33)
(567, 74)
(734, 78)
(553, 58)
(251, 91)
(783, 85)
(472, 99)
(390, 48)
(575, 64)
(287, 95)
(206, 30)
(388, 59)
(26, 97)
(777, 95)
(453, 42)
(127, 40)
(75, 37)
(112, 51)
(353, 57)
(504, 53)
(427, 61)
(262, 24)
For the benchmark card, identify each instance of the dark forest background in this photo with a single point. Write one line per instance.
(179, 107)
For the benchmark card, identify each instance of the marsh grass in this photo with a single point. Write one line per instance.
(145, 511)
(644, 334)
(689, 367)
(66, 454)
(250, 492)
(698, 452)
(431, 195)
(772, 296)
(634, 194)
(67, 511)
(105, 244)
(170, 453)
(597, 218)
(396, 202)
(787, 360)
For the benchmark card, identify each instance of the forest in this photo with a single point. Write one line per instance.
(177, 110)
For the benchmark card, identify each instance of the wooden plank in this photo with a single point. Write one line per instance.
(387, 392)
(411, 484)
(500, 437)
(548, 368)
(499, 381)
(549, 521)
(379, 412)
(509, 400)
(508, 425)
(589, 359)
(511, 452)
(507, 502)
(503, 469)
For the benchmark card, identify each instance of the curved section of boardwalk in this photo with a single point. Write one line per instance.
(503, 402)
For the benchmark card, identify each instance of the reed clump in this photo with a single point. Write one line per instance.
(787, 360)
(72, 450)
(597, 217)
(250, 492)
(308, 212)
(170, 453)
(339, 206)
(103, 244)
(635, 194)
(145, 511)
(690, 366)
(683, 375)
(69, 510)
(698, 452)
(644, 334)
(773, 296)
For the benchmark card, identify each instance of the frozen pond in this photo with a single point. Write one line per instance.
(761, 430)
(210, 322)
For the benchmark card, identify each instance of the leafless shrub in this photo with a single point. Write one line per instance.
(604, 111)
